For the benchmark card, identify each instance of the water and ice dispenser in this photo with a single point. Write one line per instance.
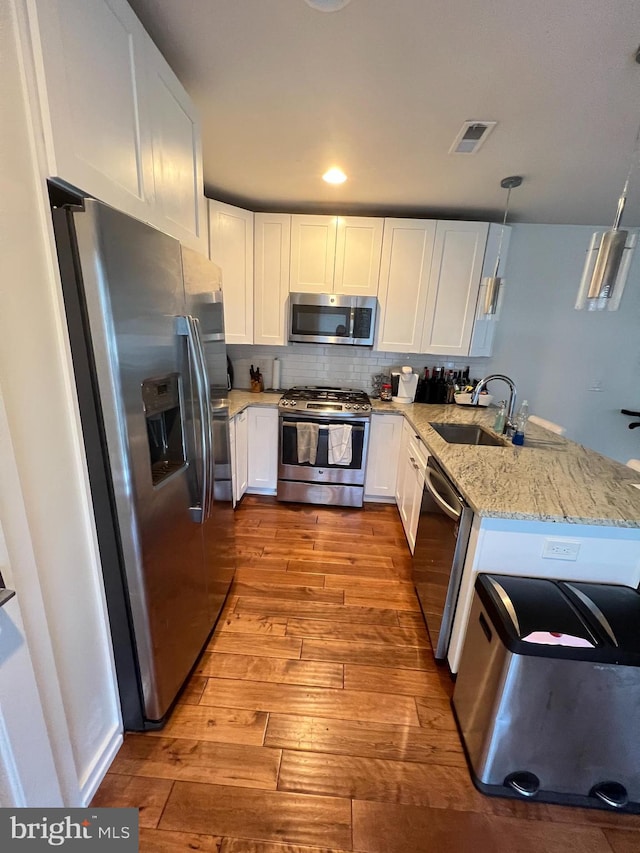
(161, 400)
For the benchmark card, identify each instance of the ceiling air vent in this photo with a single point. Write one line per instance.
(471, 137)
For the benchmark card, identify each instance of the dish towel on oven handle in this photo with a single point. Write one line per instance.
(307, 438)
(339, 444)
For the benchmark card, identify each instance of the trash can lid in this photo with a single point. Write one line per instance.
(533, 616)
(611, 610)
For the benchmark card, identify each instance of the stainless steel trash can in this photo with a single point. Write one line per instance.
(547, 697)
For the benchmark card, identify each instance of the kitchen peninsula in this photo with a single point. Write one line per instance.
(522, 497)
(550, 479)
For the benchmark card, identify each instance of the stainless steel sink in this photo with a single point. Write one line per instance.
(467, 434)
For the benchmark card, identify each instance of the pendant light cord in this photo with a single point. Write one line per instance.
(504, 222)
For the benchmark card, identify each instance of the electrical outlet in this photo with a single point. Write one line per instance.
(560, 549)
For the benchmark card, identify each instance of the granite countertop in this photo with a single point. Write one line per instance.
(239, 400)
(549, 479)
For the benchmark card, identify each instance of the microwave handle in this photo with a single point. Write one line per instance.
(352, 321)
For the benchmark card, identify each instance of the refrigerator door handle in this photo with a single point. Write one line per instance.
(185, 327)
(208, 426)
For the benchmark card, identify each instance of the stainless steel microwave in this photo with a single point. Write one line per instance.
(331, 318)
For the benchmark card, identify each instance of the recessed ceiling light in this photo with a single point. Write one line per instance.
(327, 5)
(334, 176)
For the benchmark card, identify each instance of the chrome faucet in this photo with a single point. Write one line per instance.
(509, 424)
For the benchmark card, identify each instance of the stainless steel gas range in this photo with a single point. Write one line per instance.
(324, 436)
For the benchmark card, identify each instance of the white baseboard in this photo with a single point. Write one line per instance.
(102, 762)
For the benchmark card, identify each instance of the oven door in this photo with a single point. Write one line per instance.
(322, 471)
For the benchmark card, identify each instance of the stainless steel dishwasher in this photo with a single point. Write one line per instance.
(441, 546)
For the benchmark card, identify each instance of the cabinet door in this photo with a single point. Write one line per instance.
(358, 250)
(405, 436)
(241, 455)
(407, 248)
(231, 247)
(272, 248)
(454, 282)
(484, 327)
(180, 205)
(413, 488)
(383, 454)
(263, 449)
(90, 58)
(313, 251)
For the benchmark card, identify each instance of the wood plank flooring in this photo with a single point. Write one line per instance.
(317, 721)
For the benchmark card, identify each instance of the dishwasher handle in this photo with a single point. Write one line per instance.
(431, 478)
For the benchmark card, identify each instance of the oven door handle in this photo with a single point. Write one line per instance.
(356, 427)
(430, 475)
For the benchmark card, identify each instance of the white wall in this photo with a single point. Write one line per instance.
(556, 354)
(44, 497)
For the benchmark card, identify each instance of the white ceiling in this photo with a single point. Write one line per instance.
(382, 87)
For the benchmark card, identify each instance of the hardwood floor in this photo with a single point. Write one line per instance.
(317, 720)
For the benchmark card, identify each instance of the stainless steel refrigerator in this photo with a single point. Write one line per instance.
(145, 322)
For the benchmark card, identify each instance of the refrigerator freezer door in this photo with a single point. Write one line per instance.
(200, 275)
(132, 277)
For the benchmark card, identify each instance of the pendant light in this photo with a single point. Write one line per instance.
(494, 282)
(609, 257)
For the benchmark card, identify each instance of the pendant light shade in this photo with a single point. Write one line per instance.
(609, 258)
(493, 283)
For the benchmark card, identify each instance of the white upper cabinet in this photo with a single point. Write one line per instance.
(484, 327)
(358, 250)
(272, 248)
(456, 269)
(231, 247)
(177, 156)
(313, 253)
(407, 249)
(430, 278)
(117, 125)
(335, 254)
(90, 61)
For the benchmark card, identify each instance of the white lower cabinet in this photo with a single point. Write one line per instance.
(239, 454)
(263, 449)
(412, 463)
(382, 457)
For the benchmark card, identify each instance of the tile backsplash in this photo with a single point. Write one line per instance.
(342, 366)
